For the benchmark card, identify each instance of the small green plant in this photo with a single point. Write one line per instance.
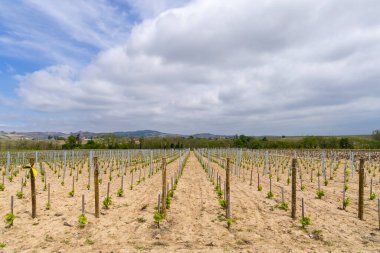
(284, 206)
(62, 183)
(320, 194)
(72, 193)
(288, 181)
(19, 194)
(305, 221)
(2, 187)
(171, 193)
(48, 206)
(219, 193)
(9, 218)
(345, 187)
(141, 220)
(120, 192)
(270, 195)
(168, 201)
(2, 245)
(223, 203)
(230, 221)
(260, 188)
(326, 182)
(82, 220)
(346, 202)
(90, 241)
(88, 187)
(10, 178)
(303, 187)
(107, 202)
(372, 196)
(158, 217)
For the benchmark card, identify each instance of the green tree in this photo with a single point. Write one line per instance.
(70, 143)
(376, 135)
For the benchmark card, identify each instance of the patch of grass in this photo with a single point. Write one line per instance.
(320, 194)
(48, 206)
(2, 187)
(2, 245)
(72, 193)
(19, 194)
(230, 221)
(346, 202)
(9, 218)
(120, 192)
(260, 188)
(283, 206)
(107, 202)
(270, 195)
(305, 221)
(158, 217)
(372, 196)
(90, 241)
(82, 220)
(223, 203)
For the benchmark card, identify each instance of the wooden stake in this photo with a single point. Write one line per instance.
(344, 187)
(228, 202)
(158, 203)
(282, 194)
(361, 189)
(12, 204)
(33, 189)
(294, 188)
(163, 187)
(108, 190)
(378, 210)
(303, 209)
(48, 194)
(96, 185)
(83, 204)
(258, 181)
(250, 183)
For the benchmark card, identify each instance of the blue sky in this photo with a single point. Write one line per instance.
(255, 67)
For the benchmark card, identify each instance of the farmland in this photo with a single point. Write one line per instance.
(195, 217)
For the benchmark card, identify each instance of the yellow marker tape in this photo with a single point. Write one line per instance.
(34, 171)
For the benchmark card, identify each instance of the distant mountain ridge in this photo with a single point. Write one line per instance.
(87, 135)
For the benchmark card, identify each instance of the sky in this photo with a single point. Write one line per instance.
(254, 67)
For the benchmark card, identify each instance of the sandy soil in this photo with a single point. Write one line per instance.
(195, 222)
(265, 228)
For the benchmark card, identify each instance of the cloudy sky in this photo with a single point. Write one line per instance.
(292, 67)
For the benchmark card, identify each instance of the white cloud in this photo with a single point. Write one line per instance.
(228, 66)
(67, 32)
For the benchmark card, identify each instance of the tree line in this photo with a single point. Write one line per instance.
(110, 141)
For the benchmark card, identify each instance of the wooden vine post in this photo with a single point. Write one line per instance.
(228, 196)
(361, 189)
(294, 188)
(33, 188)
(163, 197)
(96, 185)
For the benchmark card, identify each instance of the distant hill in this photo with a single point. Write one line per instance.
(140, 133)
(209, 136)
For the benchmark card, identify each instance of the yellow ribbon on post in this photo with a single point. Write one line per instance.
(34, 171)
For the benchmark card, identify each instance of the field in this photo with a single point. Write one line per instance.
(196, 218)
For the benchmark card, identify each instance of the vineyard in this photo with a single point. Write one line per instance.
(217, 200)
